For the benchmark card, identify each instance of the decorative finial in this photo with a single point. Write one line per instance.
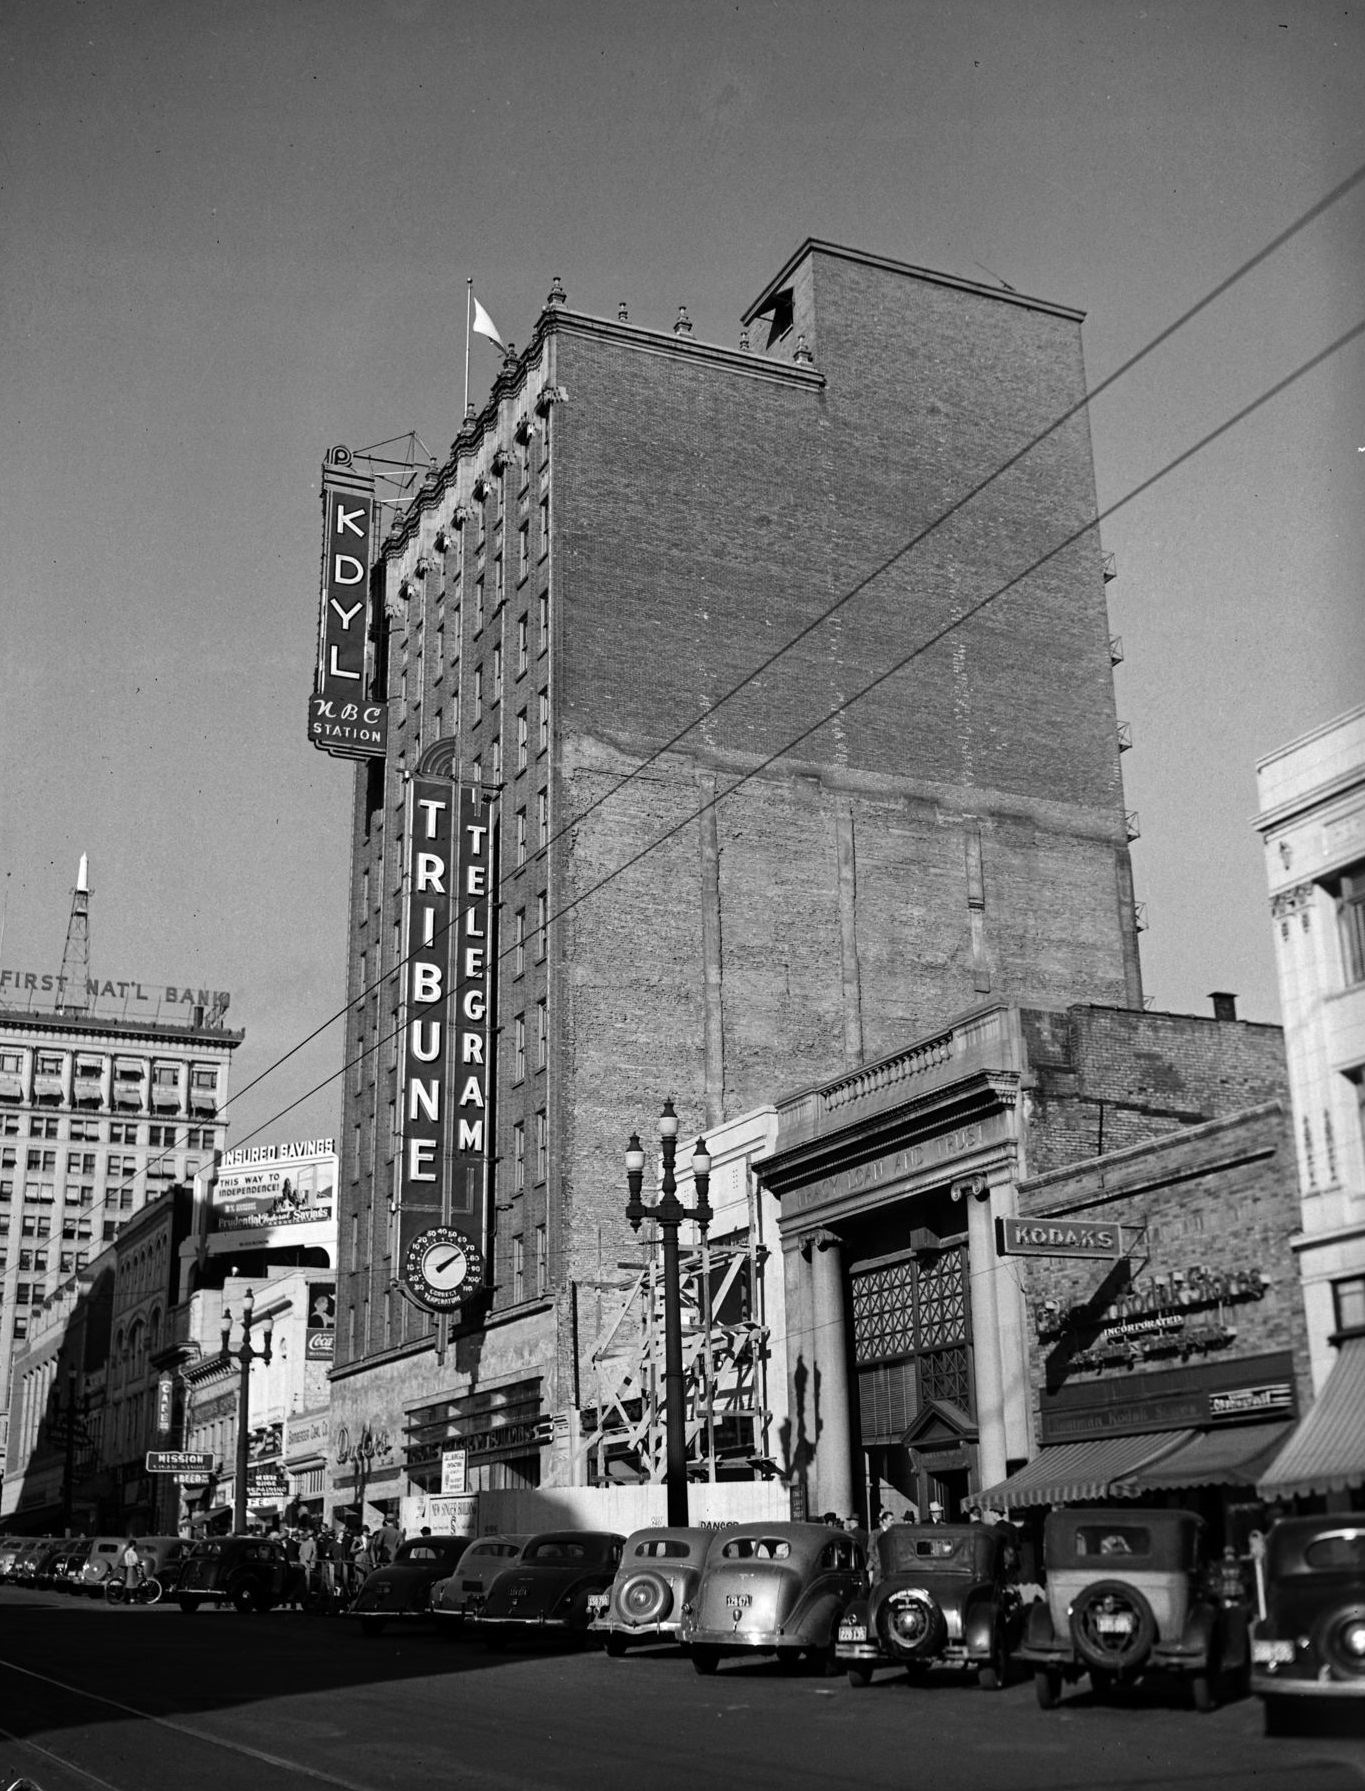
(558, 296)
(744, 341)
(683, 327)
(509, 355)
(622, 315)
(802, 352)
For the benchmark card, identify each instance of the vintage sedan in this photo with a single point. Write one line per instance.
(547, 1589)
(463, 1593)
(941, 1595)
(402, 1588)
(251, 1573)
(1127, 1595)
(1309, 1641)
(659, 1572)
(773, 1588)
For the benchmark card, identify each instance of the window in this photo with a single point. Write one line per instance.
(47, 1063)
(1348, 1298)
(161, 1135)
(542, 1034)
(23, 1293)
(121, 1134)
(542, 1146)
(20, 1327)
(204, 1076)
(68, 1261)
(542, 1261)
(519, 942)
(9, 1126)
(166, 1075)
(9, 1158)
(496, 757)
(497, 576)
(84, 1195)
(85, 1131)
(544, 739)
(36, 1225)
(477, 619)
(80, 1162)
(541, 916)
(128, 1071)
(521, 836)
(523, 643)
(519, 1048)
(543, 819)
(11, 1063)
(110, 1231)
(544, 523)
(199, 1140)
(1351, 922)
(497, 671)
(523, 548)
(125, 1200)
(523, 741)
(43, 1159)
(518, 1157)
(477, 694)
(518, 1268)
(43, 1128)
(120, 1166)
(543, 612)
(6, 1190)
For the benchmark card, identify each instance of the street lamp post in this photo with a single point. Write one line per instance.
(668, 1212)
(244, 1355)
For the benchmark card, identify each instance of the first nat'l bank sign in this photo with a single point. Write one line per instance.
(344, 716)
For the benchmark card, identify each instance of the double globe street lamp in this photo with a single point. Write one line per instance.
(668, 1213)
(244, 1355)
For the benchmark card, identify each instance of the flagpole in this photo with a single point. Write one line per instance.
(468, 314)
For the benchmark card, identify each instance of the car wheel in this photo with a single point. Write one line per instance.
(616, 1644)
(372, 1626)
(645, 1598)
(912, 1626)
(1047, 1684)
(247, 1599)
(1112, 1626)
(705, 1660)
(188, 1605)
(860, 1676)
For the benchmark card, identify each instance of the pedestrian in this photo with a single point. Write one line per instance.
(885, 1521)
(308, 1560)
(131, 1563)
(362, 1558)
(851, 1523)
(832, 1519)
(386, 1543)
(935, 1512)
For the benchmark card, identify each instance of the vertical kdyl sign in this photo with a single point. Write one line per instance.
(445, 1139)
(343, 716)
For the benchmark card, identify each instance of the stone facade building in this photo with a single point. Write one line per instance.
(800, 748)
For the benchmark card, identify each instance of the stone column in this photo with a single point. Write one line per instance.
(833, 1487)
(990, 1392)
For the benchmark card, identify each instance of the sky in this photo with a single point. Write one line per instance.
(234, 235)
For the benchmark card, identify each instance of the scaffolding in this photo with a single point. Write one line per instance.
(725, 1369)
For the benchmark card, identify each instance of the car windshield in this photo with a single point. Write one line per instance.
(757, 1548)
(558, 1549)
(1337, 1554)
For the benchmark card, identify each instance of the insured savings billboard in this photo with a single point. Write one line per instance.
(276, 1184)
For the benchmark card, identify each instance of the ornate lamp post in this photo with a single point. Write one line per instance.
(244, 1355)
(668, 1213)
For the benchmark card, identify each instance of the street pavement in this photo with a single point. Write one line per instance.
(152, 1700)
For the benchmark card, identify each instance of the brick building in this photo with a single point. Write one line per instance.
(715, 896)
(930, 1360)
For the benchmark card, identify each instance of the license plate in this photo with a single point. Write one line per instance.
(1280, 1653)
(739, 1601)
(852, 1632)
(598, 1602)
(1114, 1625)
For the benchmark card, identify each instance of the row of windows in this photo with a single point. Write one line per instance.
(95, 1131)
(93, 1069)
(37, 1262)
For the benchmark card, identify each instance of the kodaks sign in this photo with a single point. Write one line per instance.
(446, 1084)
(344, 716)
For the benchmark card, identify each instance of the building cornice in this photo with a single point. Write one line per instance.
(91, 1026)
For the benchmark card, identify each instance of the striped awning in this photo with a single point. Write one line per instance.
(1234, 1456)
(1326, 1452)
(1065, 1473)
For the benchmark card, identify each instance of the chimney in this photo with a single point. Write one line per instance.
(1224, 1005)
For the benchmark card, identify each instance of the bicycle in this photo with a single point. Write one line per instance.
(146, 1591)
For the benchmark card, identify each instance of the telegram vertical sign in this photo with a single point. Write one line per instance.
(343, 717)
(447, 1080)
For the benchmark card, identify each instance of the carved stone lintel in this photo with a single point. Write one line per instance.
(550, 395)
(1290, 901)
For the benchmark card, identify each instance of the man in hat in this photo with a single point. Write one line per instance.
(935, 1511)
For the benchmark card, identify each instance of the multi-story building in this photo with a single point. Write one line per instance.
(789, 667)
(1312, 820)
(99, 1112)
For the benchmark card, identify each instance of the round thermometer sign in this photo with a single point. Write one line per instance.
(442, 1268)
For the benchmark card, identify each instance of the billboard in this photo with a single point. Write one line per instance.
(344, 717)
(276, 1184)
(320, 1332)
(447, 1081)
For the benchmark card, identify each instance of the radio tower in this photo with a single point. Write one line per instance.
(72, 994)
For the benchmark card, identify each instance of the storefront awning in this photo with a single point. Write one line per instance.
(1326, 1452)
(1234, 1456)
(1063, 1473)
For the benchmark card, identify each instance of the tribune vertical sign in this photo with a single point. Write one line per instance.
(344, 718)
(445, 1144)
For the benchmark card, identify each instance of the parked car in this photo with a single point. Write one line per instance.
(659, 1572)
(548, 1586)
(941, 1595)
(1310, 1641)
(1127, 1595)
(25, 1562)
(775, 1588)
(250, 1573)
(36, 1568)
(164, 1557)
(402, 1588)
(10, 1549)
(463, 1593)
(69, 1580)
(101, 1560)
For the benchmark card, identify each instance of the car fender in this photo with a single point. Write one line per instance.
(1038, 1630)
(978, 1623)
(1201, 1632)
(857, 1611)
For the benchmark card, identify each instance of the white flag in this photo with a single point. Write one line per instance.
(484, 325)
